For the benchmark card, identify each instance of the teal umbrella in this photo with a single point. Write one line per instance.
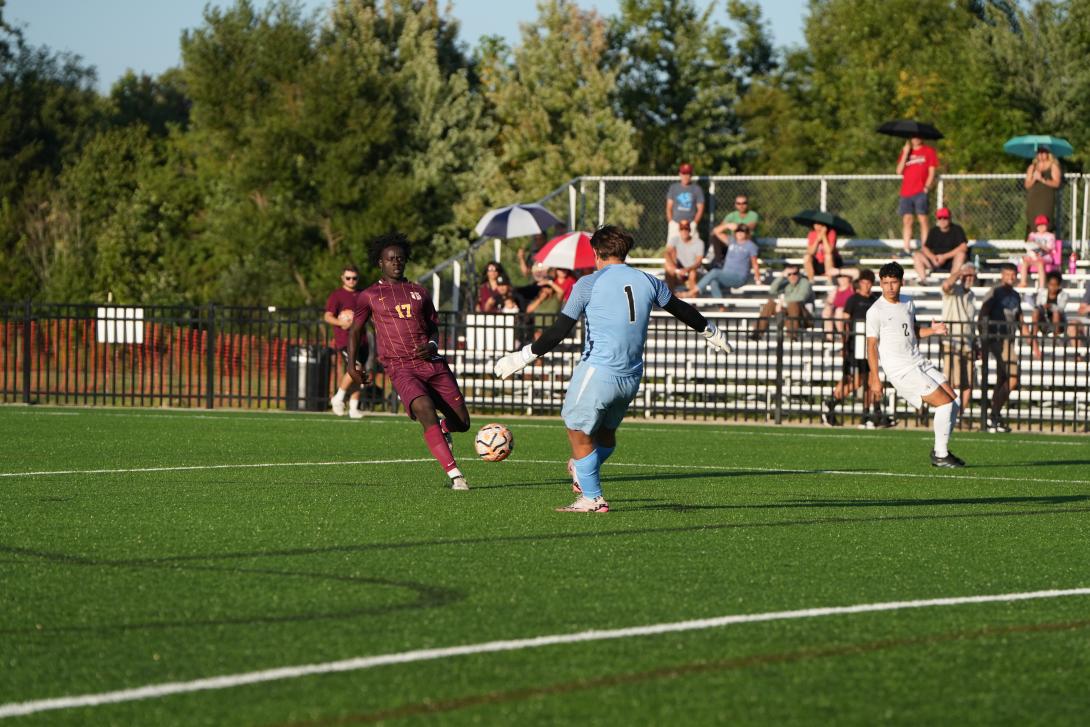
(1027, 146)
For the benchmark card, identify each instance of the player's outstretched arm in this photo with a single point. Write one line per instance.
(694, 319)
(510, 364)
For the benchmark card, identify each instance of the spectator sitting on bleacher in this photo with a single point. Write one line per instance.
(832, 313)
(1048, 314)
(1039, 244)
(493, 271)
(739, 260)
(740, 215)
(684, 255)
(855, 368)
(796, 299)
(822, 258)
(561, 284)
(946, 248)
(1077, 331)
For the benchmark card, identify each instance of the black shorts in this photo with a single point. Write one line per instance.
(819, 266)
(853, 366)
(945, 267)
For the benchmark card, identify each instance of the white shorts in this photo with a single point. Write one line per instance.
(915, 383)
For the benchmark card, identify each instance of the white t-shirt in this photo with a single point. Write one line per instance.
(894, 325)
(688, 253)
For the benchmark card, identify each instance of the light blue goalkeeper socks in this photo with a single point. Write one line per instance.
(586, 469)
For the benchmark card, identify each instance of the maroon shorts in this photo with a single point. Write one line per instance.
(427, 378)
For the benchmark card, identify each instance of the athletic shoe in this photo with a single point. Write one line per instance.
(997, 425)
(356, 413)
(828, 412)
(584, 504)
(338, 407)
(950, 460)
(459, 483)
(574, 478)
(885, 422)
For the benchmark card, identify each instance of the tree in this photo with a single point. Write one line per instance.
(551, 100)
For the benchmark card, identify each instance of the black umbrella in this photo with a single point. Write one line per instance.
(839, 224)
(906, 129)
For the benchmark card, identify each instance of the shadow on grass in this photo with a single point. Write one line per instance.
(898, 502)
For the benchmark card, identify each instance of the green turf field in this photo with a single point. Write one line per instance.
(253, 547)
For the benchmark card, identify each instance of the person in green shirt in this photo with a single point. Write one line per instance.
(798, 302)
(740, 215)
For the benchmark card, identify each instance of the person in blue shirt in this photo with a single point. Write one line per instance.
(616, 301)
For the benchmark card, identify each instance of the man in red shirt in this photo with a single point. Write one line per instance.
(339, 310)
(917, 166)
(406, 336)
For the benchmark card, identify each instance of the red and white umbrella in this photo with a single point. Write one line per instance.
(571, 251)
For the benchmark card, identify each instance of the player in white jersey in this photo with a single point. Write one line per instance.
(892, 339)
(616, 301)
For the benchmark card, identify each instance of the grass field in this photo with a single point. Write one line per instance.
(158, 547)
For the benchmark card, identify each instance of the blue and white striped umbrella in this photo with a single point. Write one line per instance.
(517, 220)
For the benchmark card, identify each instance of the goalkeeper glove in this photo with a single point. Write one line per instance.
(514, 362)
(716, 339)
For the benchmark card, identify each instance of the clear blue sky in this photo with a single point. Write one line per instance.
(115, 35)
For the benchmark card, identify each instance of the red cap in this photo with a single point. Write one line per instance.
(685, 168)
(1040, 220)
(683, 225)
(943, 213)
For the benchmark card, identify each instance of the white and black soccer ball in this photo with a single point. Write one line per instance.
(494, 442)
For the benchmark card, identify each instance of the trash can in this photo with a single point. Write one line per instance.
(308, 377)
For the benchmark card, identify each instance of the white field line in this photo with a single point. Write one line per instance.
(186, 468)
(767, 470)
(728, 428)
(227, 681)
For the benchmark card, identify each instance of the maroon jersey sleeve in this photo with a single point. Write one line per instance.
(363, 306)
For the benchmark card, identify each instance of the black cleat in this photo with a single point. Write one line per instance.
(950, 460)
(997, 425)
(828, 413)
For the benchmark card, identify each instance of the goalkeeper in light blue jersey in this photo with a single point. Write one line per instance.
(616, 301)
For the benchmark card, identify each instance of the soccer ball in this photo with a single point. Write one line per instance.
(346, 315)
(494, 442)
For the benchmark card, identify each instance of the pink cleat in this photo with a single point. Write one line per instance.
(574, 478)
(584, 504)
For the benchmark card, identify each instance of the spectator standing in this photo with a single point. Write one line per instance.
(946, 249)
(339, 311)
(959, 314)
(792, 294)
(1039, 247)
(1043, 179)
(684, 201)
(684, 255)
(917, 166)
(1000, 318)
(855, 368)
(739, 259)
(1048, 314)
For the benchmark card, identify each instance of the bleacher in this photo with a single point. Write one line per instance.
(775, 377)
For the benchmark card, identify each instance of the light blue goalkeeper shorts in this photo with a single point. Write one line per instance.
(597, 399)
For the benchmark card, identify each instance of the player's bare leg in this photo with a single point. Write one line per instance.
(944, 403)
(423, 410)
(589, 452)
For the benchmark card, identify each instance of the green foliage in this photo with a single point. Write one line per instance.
(284, 141)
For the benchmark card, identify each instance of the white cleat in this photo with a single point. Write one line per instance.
(338, 407)
(585, 504)
(355, 413)
(459, 483)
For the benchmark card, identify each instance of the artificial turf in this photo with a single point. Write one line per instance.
(111, 580)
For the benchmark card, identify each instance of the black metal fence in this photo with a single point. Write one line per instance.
(215, 356)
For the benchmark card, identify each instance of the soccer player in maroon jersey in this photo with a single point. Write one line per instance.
(406, 331)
